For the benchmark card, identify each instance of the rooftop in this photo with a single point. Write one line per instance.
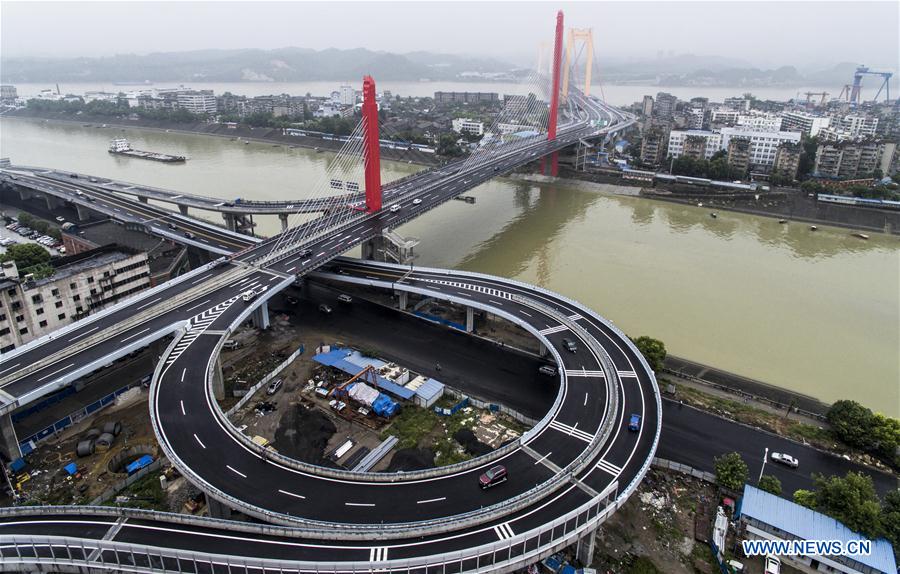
(807, 524)
(74, 264)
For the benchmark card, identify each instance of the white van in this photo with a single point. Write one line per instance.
(395, 208)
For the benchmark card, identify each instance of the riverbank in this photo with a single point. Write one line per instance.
(790, 204)
(241, 133)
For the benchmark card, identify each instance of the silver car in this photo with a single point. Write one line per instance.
(784, 459)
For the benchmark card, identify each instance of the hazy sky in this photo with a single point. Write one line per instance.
(765, 34)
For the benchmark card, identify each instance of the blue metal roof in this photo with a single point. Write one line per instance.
(353, 362)
(430, 389)
(808, 524)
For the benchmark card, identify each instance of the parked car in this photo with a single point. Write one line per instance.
(322, 392)
(569, 345)
(344, 298)
(494, 476)
(773, 564)
(274, 386)
(324, 308)
(634, 422)
(784, 459)
(230, 345)
(60, 219)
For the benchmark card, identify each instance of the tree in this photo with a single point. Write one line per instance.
(447, 146)
(851, 423)
(805, 498)
(890, 518)
(731, 471)
(851, 500)
(885, 438)
(26, 255)
(771, 484)
(653, 350)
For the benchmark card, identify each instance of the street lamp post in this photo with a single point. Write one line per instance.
(765, 458)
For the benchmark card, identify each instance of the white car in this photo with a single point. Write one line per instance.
(417, 201)
(395, 208)
(784, 459)
(773, 564)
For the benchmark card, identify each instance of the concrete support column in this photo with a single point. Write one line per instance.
(373, 249)
(284, 221)
(24, 194)
(218, 509)
(9, 442)
(404, 300)
(230, 221)
(52, 202)
(470, 319)
(218, 381)
(183, 209)
(260, 316)
(584, 550)
(543, 351)
(83, 213)
(143, 199)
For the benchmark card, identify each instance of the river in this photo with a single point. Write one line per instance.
(815, 312)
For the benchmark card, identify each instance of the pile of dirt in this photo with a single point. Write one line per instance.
(407, 459)
(470, 442)
(303, 435)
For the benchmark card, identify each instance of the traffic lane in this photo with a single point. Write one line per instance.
(58, 368)
(693, 437)
(193, 432)
(38, 524)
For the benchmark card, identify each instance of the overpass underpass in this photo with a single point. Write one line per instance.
(506, 536)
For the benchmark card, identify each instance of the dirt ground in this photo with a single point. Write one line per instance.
(50, 484)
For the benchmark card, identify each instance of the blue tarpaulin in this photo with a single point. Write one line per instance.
(71, 468)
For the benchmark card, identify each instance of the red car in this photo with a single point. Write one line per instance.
(492, 477)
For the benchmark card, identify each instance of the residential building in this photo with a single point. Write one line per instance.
(803, 122)
(166, 258)
(737, 104)
(851, 160)
(759, 121)
(763, 144)
(695, 117)
(858, 126)
(654, 146)
(787, 160)
(698, 144)
(465, 125)
(765, 516)
(723, 117)
(8, 92)
(80, 285)
(466, 97)
(647, 106)
(198, 102)
(739, 154)
(347, 96)
(665, 104)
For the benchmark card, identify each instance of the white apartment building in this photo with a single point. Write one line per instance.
(804, 123)
(724, 116)
(858, 126)
(678, 138)
(695, 117)
(763, 144)
(80, 284)
(759, 121)
(347, 96)
(203, 102)
(465, 125)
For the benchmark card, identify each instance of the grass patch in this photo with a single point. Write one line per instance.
(411, 425)
(146, 493)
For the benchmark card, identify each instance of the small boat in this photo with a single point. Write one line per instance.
(700, 204)
(813, 228)
(860, 235)
(782, 221)
(714, 215)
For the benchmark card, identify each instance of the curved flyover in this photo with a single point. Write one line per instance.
(566, 475)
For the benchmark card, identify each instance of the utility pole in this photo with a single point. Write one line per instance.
(765, 458)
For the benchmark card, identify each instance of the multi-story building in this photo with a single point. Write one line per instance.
(698, 144)
(80, 285)
(803, 122)
(348, 96)
(851, 159)
(763, 144)
(722, 117)
(665, 104)
(787, 160)
(695, 116)
(739, 154)
(858, 126)
(466, 97)
(737, 104)
(465, 125)
(647, 106)
(759, 121)
(198, 102)
(8, 92)
(654, 146)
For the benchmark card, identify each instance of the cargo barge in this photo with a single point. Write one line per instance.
(121, 146)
